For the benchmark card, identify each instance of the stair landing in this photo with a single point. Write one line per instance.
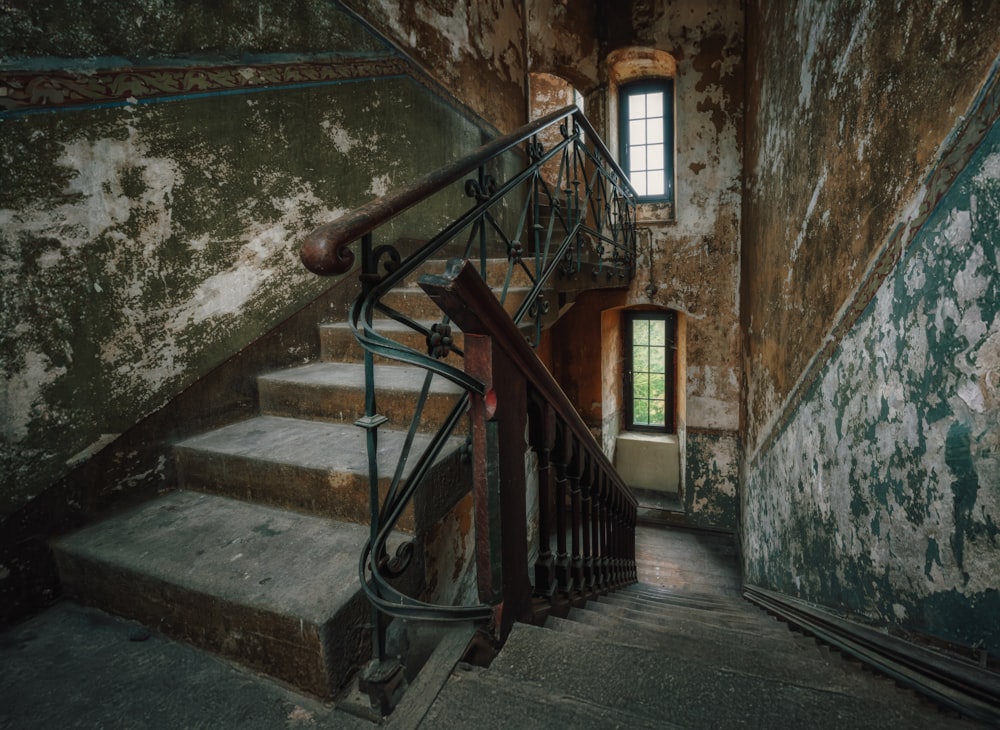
(272, 589)
(680, 650)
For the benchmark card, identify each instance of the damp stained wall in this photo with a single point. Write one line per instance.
(160, 168)
(872, 220)
(475, 49)
(690, 255)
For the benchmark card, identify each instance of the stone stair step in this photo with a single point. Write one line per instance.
(416, 304)
(665, 689)
(694, 623)
(478, 698)
(336, 392)
(734, 612)
(274, 590)
(311, 466)
(338, 344)
(797, 658)
(668, 599)
(496, 272)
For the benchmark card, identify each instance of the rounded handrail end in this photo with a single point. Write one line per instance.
(323, 256)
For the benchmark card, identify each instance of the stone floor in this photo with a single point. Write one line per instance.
(76, 667)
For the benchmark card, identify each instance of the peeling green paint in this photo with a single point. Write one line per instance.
(712, 475)
(894, 514)
(142, 246)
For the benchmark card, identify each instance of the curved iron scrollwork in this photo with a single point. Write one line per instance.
(568, 204)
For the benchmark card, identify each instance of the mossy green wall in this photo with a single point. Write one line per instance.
(151, 211)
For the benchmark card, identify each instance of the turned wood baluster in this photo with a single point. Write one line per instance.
(560, 459)
(603, 572)
(575, 472)
(586, 504)
(542, 432)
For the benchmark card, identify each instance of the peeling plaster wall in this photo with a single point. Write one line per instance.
(143, 243)
(849, 105)
(872, 221)
(563, 41)
(475, 48)
(882, 494)
(690, 256)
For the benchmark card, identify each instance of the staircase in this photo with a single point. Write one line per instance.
(650, 656)
(255, 556)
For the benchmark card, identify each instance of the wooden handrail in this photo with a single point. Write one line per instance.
(468, 301)
(325, 251)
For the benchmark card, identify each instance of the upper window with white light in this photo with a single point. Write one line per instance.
(646, 131)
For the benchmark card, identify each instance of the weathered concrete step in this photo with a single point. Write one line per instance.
(415, 303)
(336, 392)
(312, 466)
(496, 272)
(723, 610)
(274, 590)
(685, 621)
(664, 689)
(783, 658)
(338, 344)
(660, 594)
(478, 698)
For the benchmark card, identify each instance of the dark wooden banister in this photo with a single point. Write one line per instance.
(498, 355)
(325, 251)
(463, 295)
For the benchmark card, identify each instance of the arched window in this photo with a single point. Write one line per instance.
(641, 95)
(646, 137)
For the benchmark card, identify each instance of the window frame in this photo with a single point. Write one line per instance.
(647, 85)
(670, 371)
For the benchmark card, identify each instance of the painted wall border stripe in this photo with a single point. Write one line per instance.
(23, 92)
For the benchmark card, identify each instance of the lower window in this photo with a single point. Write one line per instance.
(650, 368)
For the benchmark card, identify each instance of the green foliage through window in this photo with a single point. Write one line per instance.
(650, 349)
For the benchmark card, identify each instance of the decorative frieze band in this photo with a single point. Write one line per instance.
(22, 91)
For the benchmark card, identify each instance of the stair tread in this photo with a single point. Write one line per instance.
(399, 378)
(651, 681)
(800, 657)
(318, 445)
(247, 554)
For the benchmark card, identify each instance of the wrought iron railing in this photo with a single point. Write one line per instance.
(567, 211)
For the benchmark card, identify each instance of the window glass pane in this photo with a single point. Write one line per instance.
(641, 386)
(657, 332)
(657, 387)
(657, 359)
(654, 157)
(640, 332)
(640, 411)
(637, 158)
(639, 182)
(656, 183)
(637, 106)
(657, 413)
(637, 132)
(654, 104)
(653, 129)
(640, 359)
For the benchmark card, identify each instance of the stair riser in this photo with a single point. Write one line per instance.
(416, 304)
(293, 651)
(338, 344)
(332, 494)
(496, 273)
(347, 404)
(319, 492)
